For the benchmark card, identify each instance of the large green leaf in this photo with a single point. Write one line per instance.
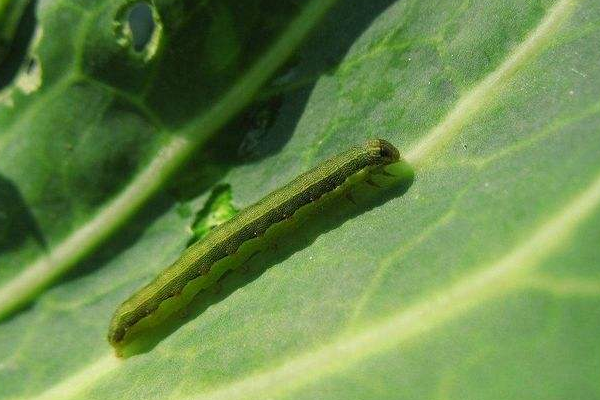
(481, 281)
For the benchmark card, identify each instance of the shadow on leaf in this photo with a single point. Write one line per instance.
(17, 223)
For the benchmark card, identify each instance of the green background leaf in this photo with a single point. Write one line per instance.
(481, 281)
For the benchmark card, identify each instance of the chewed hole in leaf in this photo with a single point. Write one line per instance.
(218, 209)
(141, 24)
(139, 28)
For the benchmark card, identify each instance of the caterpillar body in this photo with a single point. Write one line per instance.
(253, 221)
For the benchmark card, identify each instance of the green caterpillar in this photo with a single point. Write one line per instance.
(225, 240)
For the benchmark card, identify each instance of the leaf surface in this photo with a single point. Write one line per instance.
(481, 281)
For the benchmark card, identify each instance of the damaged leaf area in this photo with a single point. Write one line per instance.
(217, 210)
(132, 128)
(139, 28)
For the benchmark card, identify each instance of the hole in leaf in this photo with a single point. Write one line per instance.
(218, 209)
(141, 24)
(138, 27)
